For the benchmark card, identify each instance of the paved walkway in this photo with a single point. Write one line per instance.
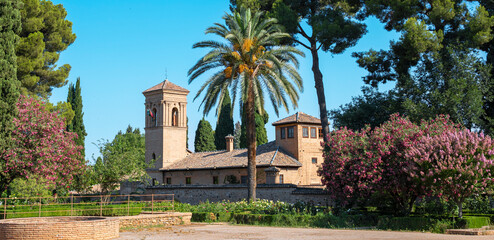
(225, 231)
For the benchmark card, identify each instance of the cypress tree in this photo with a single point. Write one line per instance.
(224, 126)
(236, 135)
(204, 140)
(261, 133)
(77, 125)
(10, 25)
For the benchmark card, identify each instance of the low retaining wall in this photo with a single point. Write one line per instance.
(290, 193)
(166, 219)
(68, 228)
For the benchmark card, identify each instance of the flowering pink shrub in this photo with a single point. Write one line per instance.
(455, 164)
(42, 147)
(358, 164)
(350, 168)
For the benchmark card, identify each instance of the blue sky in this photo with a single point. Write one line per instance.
(124, 47)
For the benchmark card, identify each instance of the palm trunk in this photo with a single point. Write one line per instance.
(251, 143)
(321, 99)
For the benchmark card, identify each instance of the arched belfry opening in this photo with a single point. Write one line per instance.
(154, 118)
(175, 117)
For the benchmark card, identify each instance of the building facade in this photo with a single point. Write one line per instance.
(293, 158)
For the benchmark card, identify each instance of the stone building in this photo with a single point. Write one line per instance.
(293, 158)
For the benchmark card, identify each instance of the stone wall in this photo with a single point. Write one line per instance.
(68, 228)
(194, 194)
(165, 219)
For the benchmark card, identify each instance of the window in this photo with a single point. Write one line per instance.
(290, 132)
(153, 182)
(215, 180)
(305, 132)
(314, 160)
(281, 179)
(321, 135)
(243, 179)
(168, 180)
(283, 133)
(154, 157)
(188, 180)
(313, 133)
(154, 118)
(175, 117)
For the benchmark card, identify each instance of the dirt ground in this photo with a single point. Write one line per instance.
(226, 231)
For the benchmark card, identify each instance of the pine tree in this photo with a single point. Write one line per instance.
(77, 125)
(10, 24)
(204, 140)
(224, 126)
(44, 36)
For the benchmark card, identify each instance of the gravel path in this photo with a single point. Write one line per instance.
(225, 231)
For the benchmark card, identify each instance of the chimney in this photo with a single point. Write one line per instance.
(229, 143)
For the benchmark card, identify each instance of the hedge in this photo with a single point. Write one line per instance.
(473, 222)
(437, 225)
(291, 220)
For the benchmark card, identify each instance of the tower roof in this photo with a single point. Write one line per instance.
(298, 117)
(166, 85)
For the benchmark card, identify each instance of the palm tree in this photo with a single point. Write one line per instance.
(250, 63)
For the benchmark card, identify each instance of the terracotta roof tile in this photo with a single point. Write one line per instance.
(167, 85)
(298, 117)
(267, 155)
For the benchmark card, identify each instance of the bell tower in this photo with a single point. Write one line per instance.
(166, 126)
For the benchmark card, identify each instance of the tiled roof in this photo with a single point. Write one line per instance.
(298, 117)
(267, 155)
(167, 85)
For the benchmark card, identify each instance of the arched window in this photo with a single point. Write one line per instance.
(154, 157)
(154, 118)
(175, 117)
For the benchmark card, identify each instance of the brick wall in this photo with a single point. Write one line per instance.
(194, 194)
(72, 228)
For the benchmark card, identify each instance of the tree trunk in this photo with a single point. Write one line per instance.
(251, 142)
(460, 209)
(321, 99)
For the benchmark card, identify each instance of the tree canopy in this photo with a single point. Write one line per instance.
(488, 116)
(435, 62)
(121, 159)
(313, 24)
(45, 34)
(425, 27)
(373, 108)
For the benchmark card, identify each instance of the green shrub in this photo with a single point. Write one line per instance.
(224, 217)
(489, 215)
(478, 204)
(473, 222)
(203, 217)
(436, 207)
(199, 216)
(428, 224)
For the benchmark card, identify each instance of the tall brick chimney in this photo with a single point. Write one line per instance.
(229, 143)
